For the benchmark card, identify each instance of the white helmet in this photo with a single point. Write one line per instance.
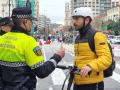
(83, 11)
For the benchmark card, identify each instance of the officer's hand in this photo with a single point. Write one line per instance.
(85, 71)
(61, 52)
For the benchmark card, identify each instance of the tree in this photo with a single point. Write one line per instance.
(114, 26)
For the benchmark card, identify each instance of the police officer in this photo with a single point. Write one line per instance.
(5, 25)
(21, 58)
(85, 58)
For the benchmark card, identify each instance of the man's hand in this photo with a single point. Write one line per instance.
(61, 52)
(85, 71)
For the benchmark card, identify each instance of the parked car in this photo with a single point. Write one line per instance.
(117, 39)
(116, 49)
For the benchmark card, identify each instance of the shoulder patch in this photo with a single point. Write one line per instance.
(37, 51)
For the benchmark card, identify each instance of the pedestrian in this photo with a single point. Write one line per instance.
(6, 25)
(58, 38)
(91, 64)
(21, 59)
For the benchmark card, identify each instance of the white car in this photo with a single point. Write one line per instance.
(117, 39)
(116, 49)
(114, 39)
(111, 38)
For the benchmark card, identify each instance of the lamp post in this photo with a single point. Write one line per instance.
(3, 10)
(9, 7)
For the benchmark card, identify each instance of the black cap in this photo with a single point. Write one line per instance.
(22, 13)
(6, 21)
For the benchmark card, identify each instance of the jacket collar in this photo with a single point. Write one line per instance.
(85, 29)
(19, 30)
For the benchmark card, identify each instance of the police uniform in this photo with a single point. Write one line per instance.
(21, 58)
(5, 21)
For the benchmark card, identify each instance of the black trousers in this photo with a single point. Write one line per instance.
(12, 88)
(96, 86)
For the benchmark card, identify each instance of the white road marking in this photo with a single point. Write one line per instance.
(118, 66)
(116, 52)
(58, 77)
(116, 77)
(50, 88)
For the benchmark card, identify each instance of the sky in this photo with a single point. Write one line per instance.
(53, 9)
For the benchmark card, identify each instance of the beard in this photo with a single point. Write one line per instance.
(28, 29)
(77, 28)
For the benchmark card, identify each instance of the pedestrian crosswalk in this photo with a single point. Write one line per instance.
(115, 75)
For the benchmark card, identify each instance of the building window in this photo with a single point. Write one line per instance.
(117, 3)
(97, 9)
(97, 2)
(97, 6)
(113, 4)
(75, 1)
(89, 5)
(93, 3)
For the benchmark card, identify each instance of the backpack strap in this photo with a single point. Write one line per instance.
(91, 41)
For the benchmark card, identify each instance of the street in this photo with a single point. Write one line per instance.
(56, 79)
(91, 24)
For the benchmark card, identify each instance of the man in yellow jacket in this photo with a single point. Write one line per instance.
(85, 58)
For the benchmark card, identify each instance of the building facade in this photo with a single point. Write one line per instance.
(113, 13)
(93, 4)
(6, 7)
(67, 20)
(36, 14)
(44, 24)
(104, 6)
(99, 7)
(115, 3)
